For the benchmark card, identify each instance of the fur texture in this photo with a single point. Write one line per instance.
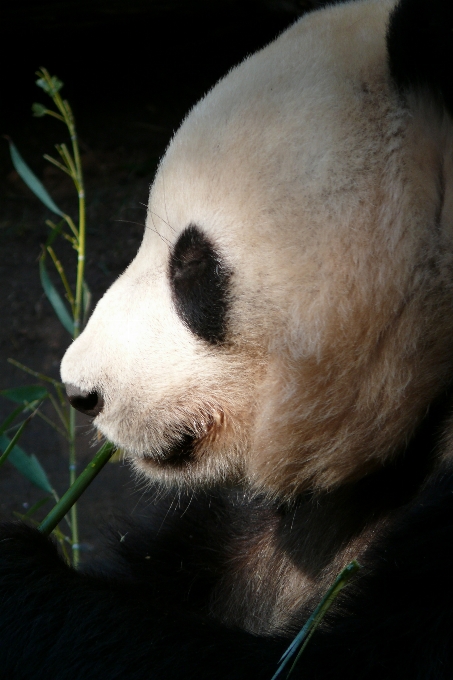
(279, 357)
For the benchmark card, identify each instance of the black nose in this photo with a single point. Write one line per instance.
(90, 403)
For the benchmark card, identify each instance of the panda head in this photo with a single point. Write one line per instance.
(287, 319)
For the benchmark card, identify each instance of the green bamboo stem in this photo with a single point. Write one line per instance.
(68, 500)
(41, 376)
(72, 479)
(50, 422)
(49, 112)
(302, 638)
(59, 413)
(81, 240)
(77, 313)
(5, 426)
(57, 164)
(14, 440)
(71, 164)
(72, 227)
(75, 168)
(66, 156)
(61, 272)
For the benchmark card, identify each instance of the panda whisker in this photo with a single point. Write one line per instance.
(167, 513)
(165, 201)
(161, 218)
(165, 240)
(139, 224)
(188, 504)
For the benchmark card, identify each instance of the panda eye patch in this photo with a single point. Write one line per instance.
(200, 285)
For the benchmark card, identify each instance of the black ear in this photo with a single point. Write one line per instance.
(420, 47)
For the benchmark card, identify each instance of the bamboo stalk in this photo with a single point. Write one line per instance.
(302, 638)
(85, 478)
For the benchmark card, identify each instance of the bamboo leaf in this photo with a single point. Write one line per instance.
(23, 395)
(28, 466)
(32, 181)
(13, 442)
(54, 298)
(12, 416)
(51, 84)
(39, 110)
(56, 231)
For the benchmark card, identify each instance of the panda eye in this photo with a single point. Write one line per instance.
(199, 285)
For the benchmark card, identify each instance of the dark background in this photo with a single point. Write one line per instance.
(131, 70)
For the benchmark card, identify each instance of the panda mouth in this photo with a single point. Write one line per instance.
(178, 454)
(187, 450)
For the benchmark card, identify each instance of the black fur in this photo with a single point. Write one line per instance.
(396, 620)
(200, 285)
(152, 610)
(147, 614)
(420, 47)
(62, 625)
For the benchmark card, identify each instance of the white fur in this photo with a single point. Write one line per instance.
(319, 187)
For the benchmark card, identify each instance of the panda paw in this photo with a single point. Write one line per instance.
(24, 549)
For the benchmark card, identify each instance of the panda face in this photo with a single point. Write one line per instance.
(286, 320)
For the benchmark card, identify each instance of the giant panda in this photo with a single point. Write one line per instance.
(277, 361)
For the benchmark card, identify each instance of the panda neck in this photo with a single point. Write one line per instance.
(308, 542)
(345, 516)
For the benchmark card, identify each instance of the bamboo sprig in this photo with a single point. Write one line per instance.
(68, 161)
(50, 422)
(72, 240)
(64, 280)
(302, 638)
(40, 376)
(59, 412)
(52, 85)
(15, 439)
(72, 166)
(68, 500)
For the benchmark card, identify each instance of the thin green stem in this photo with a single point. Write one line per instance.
(80, 267)
(301, 640)
(72, 240)
(76, 167)
(62, 416)
(15, 439)
(72, 226)
(5, 426)
(61, 272)
(54, 114)
(70, 167)
(30, 406)
(52, 425)
(74, 492)
(41, 376)
(57, 164)
(81, 239)
(72, 478)
(60, 394)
